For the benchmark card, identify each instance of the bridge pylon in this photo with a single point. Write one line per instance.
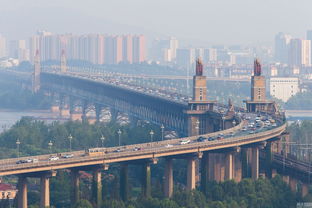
(258, 102)
(199, 107)
(36, 73)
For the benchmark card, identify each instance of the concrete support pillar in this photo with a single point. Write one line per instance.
(97, 187)
(190, 185)
(268, 160)
(124, 183)
(204, 172)
(44, 191)
(255, 163)
(293, 184)
(304, 189)
(245, 168)
(168, 186)
(237, 168)
(146, 180)
(217, 168)
(75, 193)
(229, 166)
(22, 192)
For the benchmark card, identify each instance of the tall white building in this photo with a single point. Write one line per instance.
(299, 52)
(2, 46)
(284, 88)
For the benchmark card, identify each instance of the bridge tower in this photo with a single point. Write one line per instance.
(199, 106)
(63, 62)
(36, 73)
(258, 102)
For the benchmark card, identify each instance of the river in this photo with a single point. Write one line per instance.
(9, 117)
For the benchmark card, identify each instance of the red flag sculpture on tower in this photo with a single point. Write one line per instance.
(199, 67)
(257, 68)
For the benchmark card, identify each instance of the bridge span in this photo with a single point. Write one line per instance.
(218, 141)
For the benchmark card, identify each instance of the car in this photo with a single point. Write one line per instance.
(20, 161)
(187, 141)
(35, 160)
(251, 132)
(274, 125)
(117, 150)
(201, 139)
(211, 139)
(169, 145)
(232, 134)
(136, 148)
(67, 156)
(220, 137)
(53, 158)
(244, 128)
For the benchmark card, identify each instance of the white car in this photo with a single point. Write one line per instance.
(169, 145)
(53, 158)
(185, 141)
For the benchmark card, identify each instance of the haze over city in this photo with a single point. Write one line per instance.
(198, 21)
(149, 104)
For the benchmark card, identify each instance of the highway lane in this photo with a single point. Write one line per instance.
(129, 149)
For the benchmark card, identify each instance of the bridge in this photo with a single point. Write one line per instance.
(215, 139)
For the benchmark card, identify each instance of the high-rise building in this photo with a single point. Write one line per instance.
(185, 57)
(210, 55)
(113, 49)
(139, 49)
(15, 46)
(281, 47)
(309, 37)
(173, 46)
(299, 52)
(2, 46)
(127, 49)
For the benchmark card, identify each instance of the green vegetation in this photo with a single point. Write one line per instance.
(35, 135)
(301, 101)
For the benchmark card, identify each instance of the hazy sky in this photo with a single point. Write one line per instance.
(212, 21)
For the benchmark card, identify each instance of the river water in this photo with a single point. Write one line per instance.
(9, 117)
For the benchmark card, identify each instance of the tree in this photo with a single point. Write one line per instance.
(83, 203)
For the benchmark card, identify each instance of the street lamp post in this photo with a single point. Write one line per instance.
(18, 144)
(70, 137)
(119, 135)
(151, 134)
(50, 144)
(162, 132)
(102, 140)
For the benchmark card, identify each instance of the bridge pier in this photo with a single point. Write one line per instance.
(255, 163)
(229, 166)
(124, 183)
(97, 187)
(44, 191)
(205, 172)
(304, 189)
(146, 180)
(75, 193)
(168, 185)
(190, 185)
(22, 192)
(237, 162)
